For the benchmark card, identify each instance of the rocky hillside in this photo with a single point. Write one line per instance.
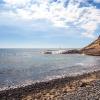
(93, 48)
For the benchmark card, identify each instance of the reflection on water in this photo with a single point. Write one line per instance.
(20, 66)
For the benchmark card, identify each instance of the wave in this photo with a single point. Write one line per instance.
(48, 79)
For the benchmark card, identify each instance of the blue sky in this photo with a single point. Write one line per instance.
(48, 23)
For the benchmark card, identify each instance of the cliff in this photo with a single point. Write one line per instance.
(93, 48)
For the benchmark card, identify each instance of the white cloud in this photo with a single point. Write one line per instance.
(24, 14)
(86, 18)
(89, 35)
(90, 21)
(97, 1)
(90, 26)
(17, 2)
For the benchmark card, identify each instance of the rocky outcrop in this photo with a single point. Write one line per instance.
(47, 52)
(92, 49)
(72, 51)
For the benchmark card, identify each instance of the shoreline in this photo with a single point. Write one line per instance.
(36, 91)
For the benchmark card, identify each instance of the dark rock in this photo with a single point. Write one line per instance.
(48, 52)
(73, 51)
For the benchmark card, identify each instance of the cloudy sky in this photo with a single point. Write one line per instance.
(48, 23)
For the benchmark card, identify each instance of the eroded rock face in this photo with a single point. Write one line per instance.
(93, 48)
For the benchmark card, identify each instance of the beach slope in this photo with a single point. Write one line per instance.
(80, 87)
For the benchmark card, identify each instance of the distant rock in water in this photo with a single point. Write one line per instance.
(93, 48)
(48, 52)
(54, 51)
(72, 51)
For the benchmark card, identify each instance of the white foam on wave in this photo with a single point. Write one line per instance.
(81, 64)
(23, 84)
(48, 78)
(58, 52)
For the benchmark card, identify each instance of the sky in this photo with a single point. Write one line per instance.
(48, 23)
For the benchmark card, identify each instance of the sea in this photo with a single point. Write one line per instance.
(20, 67)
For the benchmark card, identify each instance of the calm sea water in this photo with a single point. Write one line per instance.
(23, 66)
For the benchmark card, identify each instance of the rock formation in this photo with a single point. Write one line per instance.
(72, 51)
(93, 48)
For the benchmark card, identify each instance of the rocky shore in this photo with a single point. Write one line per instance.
(71, 51)
(91, 49)
(80, 87)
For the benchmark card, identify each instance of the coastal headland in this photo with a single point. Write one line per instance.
(92, 49)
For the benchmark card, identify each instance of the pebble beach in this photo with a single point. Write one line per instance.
(80, 87)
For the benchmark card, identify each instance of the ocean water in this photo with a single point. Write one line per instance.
(25, 66)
